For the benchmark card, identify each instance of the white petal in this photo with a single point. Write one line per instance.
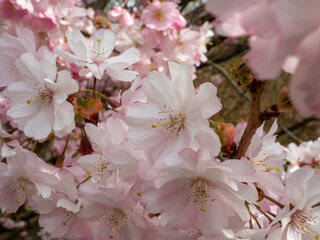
(159, 90)
(183, 84)
(209, 102)
(40, 126)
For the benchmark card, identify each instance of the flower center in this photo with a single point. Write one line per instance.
(261, 163)
(304, 221)
(171, 121)
(99, 165)
(200, 192)
(21, 186)
(115, 220)
(70, 216)
(40, 95)
(159, 15)
(100, 55)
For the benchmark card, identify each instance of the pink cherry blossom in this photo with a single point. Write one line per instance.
(22, 179)
(119, 217)
(197, 192)
(11, 50)
(7, 145)
(121, 15)
(161, 15)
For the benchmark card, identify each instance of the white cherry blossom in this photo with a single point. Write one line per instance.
(174, 116)
(39, 103)
(96, 59)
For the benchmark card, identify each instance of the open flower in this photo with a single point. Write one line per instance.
(39, 103)
(174, 116)
(198, 192)
(161, 15)
(21, 178)
(300, 219)
(97, 59)
(118, 215)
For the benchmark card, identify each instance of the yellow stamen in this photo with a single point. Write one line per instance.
(113, 232)
(161, 124)
(65, 222)
(202, 202)
(268, 167)
(99, 41)
(20, 195)
(314, 235)
(139, 194)
(95, 169)
(31, 101)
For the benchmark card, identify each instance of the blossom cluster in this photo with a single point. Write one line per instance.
(137, 154)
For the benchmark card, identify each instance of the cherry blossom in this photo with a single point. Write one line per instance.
(11, 50)
(174, 115)
(22, 179)
(97, 59)
(117, 214)
(300, 218)
(161, 15)
(193, 192)
(39, 103)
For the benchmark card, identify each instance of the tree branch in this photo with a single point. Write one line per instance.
(254, 121)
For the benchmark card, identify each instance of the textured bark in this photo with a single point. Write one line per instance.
(255, 120)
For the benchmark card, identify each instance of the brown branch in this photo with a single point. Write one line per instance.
(254, 121)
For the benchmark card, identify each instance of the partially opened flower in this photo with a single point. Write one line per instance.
(96, 59)
(11, 48)
(39, 101)
(6, 144)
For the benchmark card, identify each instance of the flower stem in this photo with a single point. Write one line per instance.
(265, 214)
(94, 85)
(271, 199)
(34, 146)
(30, 141)
(108, 100)
(61, 157)
(250, 215)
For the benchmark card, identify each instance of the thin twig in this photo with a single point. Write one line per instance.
(226, 75)
(290, 134)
